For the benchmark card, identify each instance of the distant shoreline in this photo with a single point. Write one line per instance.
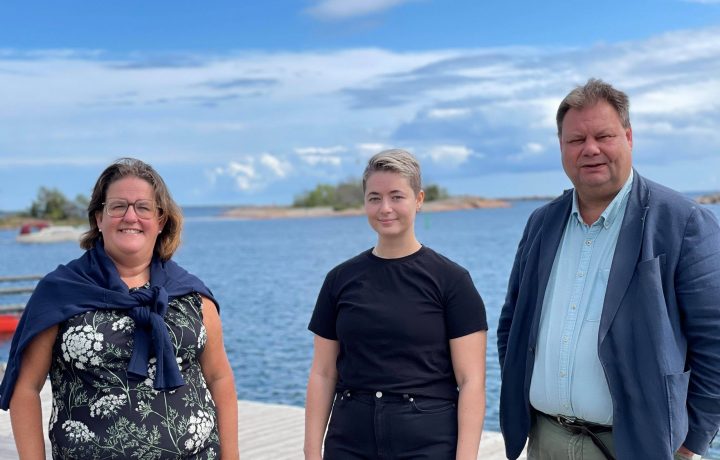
(289, 212)
(712, 198)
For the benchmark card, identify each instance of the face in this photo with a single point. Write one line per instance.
(596, 151)
(129, 238)
(391, 205)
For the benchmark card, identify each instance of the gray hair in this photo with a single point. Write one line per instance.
(590, 94)
(398, 161)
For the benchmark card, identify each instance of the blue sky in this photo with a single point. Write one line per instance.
(239, 102)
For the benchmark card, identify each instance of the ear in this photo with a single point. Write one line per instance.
(628, 136)
(98, 218)
(420, 198)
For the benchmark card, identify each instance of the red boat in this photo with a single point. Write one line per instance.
(10, 313)
(8, 323)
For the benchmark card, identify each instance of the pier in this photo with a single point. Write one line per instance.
(266, 432)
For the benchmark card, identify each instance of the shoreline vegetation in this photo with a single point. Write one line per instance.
(289, 212)
(710, 198)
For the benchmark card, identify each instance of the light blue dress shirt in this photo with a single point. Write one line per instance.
(568, 378)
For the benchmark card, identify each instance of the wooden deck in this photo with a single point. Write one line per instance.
(267, 432)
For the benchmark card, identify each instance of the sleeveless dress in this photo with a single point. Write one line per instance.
(99, 413)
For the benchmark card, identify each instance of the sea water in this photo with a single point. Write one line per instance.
(266, 275)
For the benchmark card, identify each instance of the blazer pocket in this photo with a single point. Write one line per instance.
(656, 265)
(676, 386)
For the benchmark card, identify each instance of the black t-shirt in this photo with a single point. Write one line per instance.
(394, 318)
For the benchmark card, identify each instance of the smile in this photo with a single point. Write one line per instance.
(133, 231)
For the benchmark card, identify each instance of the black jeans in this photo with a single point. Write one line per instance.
(373, 425)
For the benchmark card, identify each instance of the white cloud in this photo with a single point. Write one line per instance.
(448, 113)
(275, 165)
(69, 108)
(534, 148)
(321, 155)
(530, 150)
(449, 155)
(369, 149)
(320, 150)
(251, 173)
(344, 9)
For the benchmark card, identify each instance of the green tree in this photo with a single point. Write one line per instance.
(435, 192)
(347, 194)
(53, 205)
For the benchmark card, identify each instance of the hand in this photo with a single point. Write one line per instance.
(684, 453)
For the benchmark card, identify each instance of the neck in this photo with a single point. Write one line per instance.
(394, 249)
(134, 274)
(590, 213)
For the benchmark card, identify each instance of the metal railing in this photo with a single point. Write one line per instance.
(16, 287)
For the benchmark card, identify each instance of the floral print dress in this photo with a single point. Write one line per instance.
(99, 413)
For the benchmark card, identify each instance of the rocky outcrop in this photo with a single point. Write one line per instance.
(709, 199)
(287, 212)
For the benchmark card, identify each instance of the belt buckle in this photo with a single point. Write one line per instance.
(567, 421)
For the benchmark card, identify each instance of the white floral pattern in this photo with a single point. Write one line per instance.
(107, 405)
(98, 412)
(77, 431)
(81, 344)
(200, 426)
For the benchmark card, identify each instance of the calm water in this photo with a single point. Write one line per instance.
(266, 275)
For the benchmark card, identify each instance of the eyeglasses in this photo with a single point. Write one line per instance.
(144, 209)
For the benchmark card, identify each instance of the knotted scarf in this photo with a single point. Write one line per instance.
(92, 282)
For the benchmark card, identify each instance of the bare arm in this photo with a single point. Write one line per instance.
(468, 358)
(320, 391)
(221, 383)
(25, 407)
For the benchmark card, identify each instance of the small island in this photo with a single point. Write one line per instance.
(346, 199)
(711, 198)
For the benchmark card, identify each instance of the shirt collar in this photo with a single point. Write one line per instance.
(611, 212)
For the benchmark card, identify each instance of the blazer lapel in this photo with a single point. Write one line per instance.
(626, 253)
(553, 227)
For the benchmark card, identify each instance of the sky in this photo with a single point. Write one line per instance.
(255, 102)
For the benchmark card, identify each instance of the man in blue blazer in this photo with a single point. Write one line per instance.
(609, 338)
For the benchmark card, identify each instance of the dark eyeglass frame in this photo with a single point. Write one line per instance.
(157, 210)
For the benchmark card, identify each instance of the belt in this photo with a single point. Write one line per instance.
(380, 395)
(578, 426)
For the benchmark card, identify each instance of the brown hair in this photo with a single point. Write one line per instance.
(170, 214)
(588, 95)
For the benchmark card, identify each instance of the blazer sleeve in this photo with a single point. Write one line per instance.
(508, 309)
(697, 287)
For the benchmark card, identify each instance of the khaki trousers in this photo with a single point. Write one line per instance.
(550, 441)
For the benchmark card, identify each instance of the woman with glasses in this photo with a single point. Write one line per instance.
(400, 336)
(132, 342)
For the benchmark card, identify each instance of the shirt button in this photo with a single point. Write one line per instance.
(562, 374)
(588, 242)
(580, 274)
(573, 306)
(378, 394)
(565, 339)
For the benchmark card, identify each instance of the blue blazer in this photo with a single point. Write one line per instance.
(659, 337)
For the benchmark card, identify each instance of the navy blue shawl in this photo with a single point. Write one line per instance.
(92, 282)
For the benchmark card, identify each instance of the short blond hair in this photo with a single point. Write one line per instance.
(398, 161)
